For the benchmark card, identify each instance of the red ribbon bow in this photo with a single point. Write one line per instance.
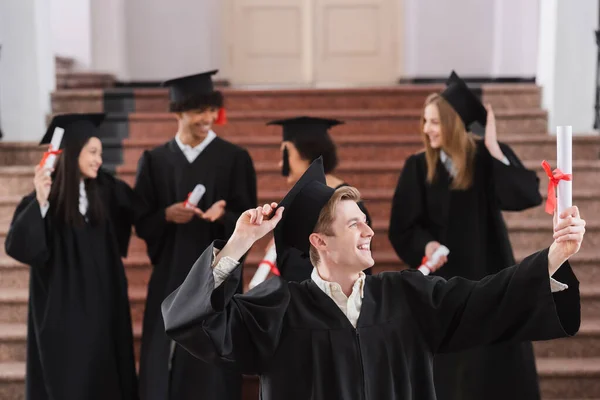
(48, 154)
(274, 269)
(187, 201)
(555, 176)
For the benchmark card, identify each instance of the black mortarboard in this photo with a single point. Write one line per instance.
(193, 92)
(303, 205)
(305, 127)
(464, 101)
(78, 127)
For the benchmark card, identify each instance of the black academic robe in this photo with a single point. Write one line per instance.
(166, 177)
(296, 267)
(303, 347)
(469, 222)
(79, 337)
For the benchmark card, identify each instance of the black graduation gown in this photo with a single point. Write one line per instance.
(79, 337)
(303, 347)
(166, 177)
(295, 267)
(470, 224)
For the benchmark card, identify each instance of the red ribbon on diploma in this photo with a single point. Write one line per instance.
(555, 176)
(48, 153)
(274, 269)
(186, 202)
(424, 262)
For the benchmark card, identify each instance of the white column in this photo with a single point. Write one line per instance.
(108, 38)
(515, 43)
(567, 62)
(169, 39)
(27, 68)
(72, 30)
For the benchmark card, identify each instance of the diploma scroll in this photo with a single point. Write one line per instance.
(564, 160)
(49, 158)
(266, 265)
(195, 196)
(426, 267)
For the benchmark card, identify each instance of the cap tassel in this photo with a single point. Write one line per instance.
(285, 168)
(221, 117)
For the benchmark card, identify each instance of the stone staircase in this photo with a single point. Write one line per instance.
(380, 132)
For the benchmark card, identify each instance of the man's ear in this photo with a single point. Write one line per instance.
(318, 241)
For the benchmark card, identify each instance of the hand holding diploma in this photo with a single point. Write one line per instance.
(42, 182)
(438, 258)
(569, 229)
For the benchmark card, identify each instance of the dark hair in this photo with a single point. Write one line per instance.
(310, 148)
(197, 102)
(64, 193)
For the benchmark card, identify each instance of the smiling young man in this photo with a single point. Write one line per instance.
(345, 336)
(175, 234)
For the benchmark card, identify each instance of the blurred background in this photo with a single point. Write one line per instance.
(371, 63)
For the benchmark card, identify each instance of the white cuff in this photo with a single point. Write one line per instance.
(556, 286)
(44, 209)
(223, 268)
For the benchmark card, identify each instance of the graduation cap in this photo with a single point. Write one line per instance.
(76, 127)
(464, 101)
(303, 205)
(293, 128)
(194, 92)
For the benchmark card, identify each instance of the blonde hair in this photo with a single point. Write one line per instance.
(456, 142)
(327, 216)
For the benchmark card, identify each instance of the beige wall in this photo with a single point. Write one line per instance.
(157, 39)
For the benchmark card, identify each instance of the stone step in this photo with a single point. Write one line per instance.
(84, 80)
(526, 235)
(559, 379)
(585, 344)
(501, 96)
(358, 122)
(379, 203)
(14, 275)
(569, 378)
(364, 175)
(382, 147)
(12, 381)
(13, 305)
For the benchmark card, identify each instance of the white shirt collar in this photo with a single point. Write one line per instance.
(330, 287)
(191, 153)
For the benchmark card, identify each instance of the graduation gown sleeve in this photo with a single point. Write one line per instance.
(242, 192)
(26, 240)
(121, 206)
(515, 187)
(219, 326)
(406, 232)
(150, 221)
(515, 304)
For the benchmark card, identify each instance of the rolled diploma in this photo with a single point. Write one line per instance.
(441, 251)
(264, 268)
(54, 145)
(196, 195)
(564, 160)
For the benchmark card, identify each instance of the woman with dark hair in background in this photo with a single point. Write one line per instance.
(304, 140)
(73, 230)
(452, 194)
